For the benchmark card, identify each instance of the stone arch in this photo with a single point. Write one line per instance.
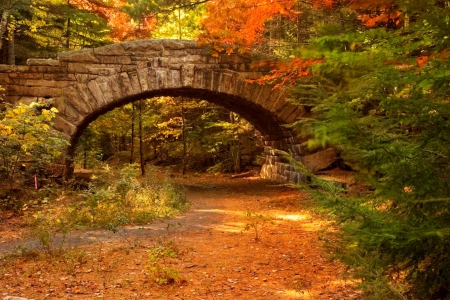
(86, 83)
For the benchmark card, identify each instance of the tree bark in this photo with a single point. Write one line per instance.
(183, 133)
(132, 133)
(3, 25)
(141, 151)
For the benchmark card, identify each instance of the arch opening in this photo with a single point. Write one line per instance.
(267, 124)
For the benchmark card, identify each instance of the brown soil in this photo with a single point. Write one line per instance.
(220, 254)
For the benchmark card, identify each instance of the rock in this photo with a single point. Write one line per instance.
(15, 298)
(320, 160)
(83, 174)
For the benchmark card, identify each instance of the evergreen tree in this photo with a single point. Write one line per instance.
(381, 96)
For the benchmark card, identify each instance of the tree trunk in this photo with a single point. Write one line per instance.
(85, 157)
(68, 29)
(183, 133)
(141, 151)
(132, 133)
(3, 25)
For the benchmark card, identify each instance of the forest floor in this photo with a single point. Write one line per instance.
(243, 238)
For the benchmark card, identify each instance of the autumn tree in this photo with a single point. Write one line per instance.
(26, 135)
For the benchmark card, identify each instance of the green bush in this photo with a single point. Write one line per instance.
(27, 140)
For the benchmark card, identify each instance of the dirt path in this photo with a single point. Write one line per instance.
(217, 257)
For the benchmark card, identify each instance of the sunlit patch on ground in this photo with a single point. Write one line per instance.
(293, 217)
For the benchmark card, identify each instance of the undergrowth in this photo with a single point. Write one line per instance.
(159, 259)
(111, 201)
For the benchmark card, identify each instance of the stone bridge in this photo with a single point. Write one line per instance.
(84, 84)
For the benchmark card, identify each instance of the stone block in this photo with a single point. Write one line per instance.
(120, 60)
(142, 46)
(135, 84)
(264, 95)
(225, 84)
(14, 69)
(199, 51)
(5, 79)
(143, 78)
(163, 62)
(15, 76)
(69, 113)
(85, 78)
(208, 79)
(72, 96)
(80, 56)
(175, 53)
(87, 96)
(196, 59)
(42, 83)
(43, 62)
(174, 79)
(33, 91)
(144, 56)
(169, 44)
(198, 81)
(97, 92)
(162, 78)
(113, 87)
(320, 160)
(112, 50)
(125, 85)
(187, 75)
(153, 83)
(94, 69)
(64, 126)
(59, 76)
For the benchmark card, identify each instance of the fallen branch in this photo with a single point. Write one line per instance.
(242, 175)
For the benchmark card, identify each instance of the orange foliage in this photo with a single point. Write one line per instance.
(122, 27)
(283, 73)
(378, 12)
(324, 3)
(369, 4)
(240, 23)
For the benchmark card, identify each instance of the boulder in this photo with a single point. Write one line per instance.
(320, 160)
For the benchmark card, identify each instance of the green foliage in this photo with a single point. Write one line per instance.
(256, 222)
(26, 135)
(389, 116)
(44, 28)
(159, 258)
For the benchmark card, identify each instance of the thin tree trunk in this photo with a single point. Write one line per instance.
(183, 132)
(237, 154)
(132, 133)
(141, 151)
(3, 25)
(68, 29)
(85, 158)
